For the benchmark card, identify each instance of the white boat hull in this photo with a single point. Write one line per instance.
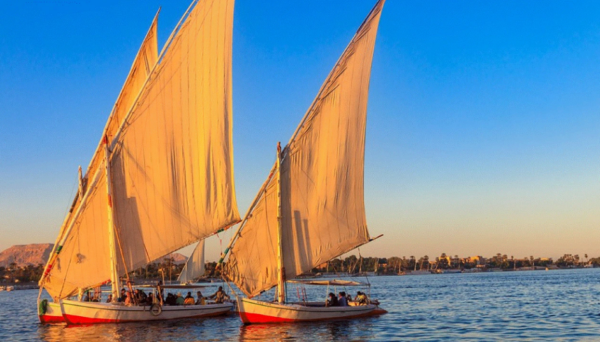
(254, 311)
(52, 315)
(76, 312)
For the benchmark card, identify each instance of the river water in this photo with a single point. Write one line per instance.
(557, 305)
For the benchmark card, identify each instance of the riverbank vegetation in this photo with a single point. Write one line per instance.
(168, 270)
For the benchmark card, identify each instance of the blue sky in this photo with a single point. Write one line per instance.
(482, 127)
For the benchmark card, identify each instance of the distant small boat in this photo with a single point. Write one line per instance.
(420, 272)
(2, 288)
(451, 271)
(10, 288)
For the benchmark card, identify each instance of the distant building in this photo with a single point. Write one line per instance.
(477, 260)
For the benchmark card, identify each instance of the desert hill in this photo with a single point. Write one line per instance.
(38, 253)
(22, 255)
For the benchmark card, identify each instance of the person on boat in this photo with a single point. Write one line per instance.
(219, 296)
(140, 297)
(189, 300)
(128, 298)
(123, 296)
(179, 300)
(201, 300)
(150, 299)
(360, 298)
(332, 300)
(342, 300)
(169, 300)
(109, 298)
(87, 296)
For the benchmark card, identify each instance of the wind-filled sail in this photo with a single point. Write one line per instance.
(171, 157)
(194, 266)
(173, 163)
(89, 225)
(82, 262)
(322, 168)
(143, 63)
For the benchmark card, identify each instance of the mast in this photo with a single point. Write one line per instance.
(114, 273)
(280, 267)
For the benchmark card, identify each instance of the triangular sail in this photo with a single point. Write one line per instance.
(89, 223)
(194, 267)
(171, 161)
(172, 165)
(322, 194)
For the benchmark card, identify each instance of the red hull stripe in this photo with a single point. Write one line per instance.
(249, 318)
(72, 319)
(47, 319)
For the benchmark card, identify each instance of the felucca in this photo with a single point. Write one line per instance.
(194, 266)
(161, 177)
(311, 207)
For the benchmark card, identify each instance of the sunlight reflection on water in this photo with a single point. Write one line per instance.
(554, 305)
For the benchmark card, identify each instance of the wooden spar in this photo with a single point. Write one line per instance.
(80, 183)
(112, 246)
(280, 266)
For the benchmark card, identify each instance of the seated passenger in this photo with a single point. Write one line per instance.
(201, 300)
(128, 298)
(179, 300)
(361, 298)
(332, 300)
(123, 296)
(150, 299)
(342, 300)
(142, 297)
(219, 296)
(171, 300)
(189, 300)
(109, 298)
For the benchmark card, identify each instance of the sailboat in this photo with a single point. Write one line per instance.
(194, 266)
(160, 179)
(311, 207)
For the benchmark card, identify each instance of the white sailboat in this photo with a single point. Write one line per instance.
(194, 266)
(161, 177)
(311, 208)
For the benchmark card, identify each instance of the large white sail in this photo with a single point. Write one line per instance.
(171, 159)
(322, 196)
(173, 164)
(194, 267)
(91, 220)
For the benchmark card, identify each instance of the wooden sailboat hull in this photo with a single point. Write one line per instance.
(76, 312)
(254, 311)
(53, 314)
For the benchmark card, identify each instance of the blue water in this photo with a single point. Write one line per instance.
(504, 306)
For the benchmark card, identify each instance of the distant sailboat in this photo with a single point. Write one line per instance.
(161, 177)
(194, 266)
(311, 208)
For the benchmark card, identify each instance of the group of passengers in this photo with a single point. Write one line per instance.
(139, 297)
(344, 300)
(219, 297)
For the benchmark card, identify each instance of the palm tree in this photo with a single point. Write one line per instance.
(532, 264)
